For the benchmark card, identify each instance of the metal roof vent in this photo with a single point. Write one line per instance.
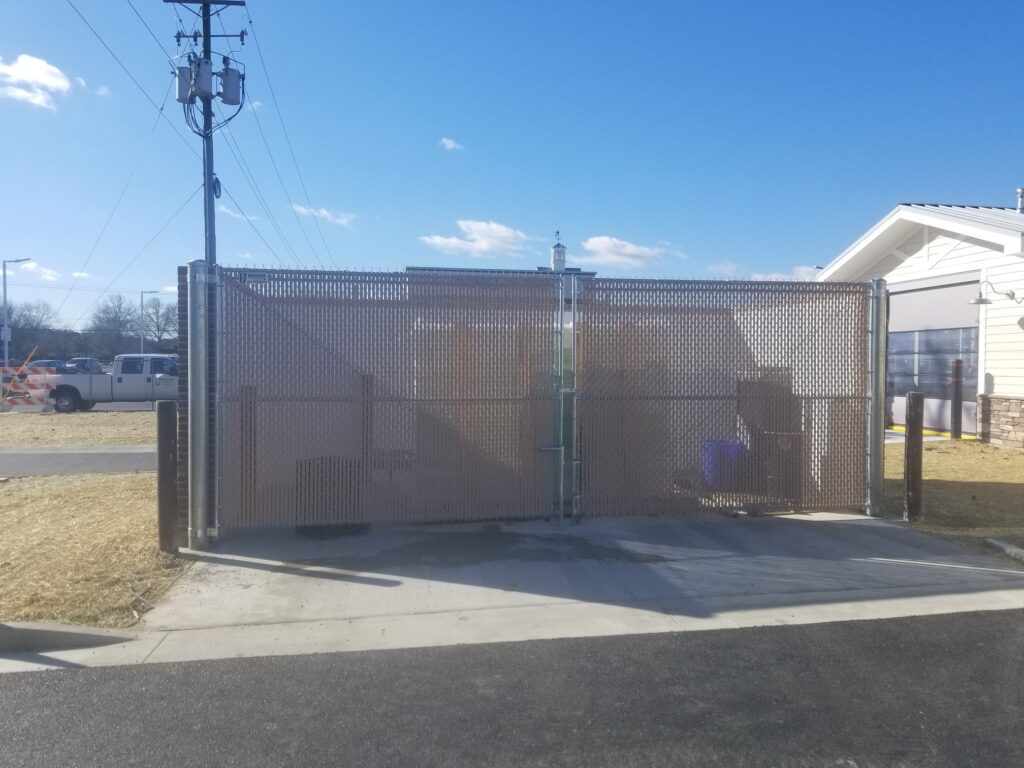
(1020, 199)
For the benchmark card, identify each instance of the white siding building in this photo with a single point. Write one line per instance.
(936, 259)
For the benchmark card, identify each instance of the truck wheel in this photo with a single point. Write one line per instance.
(86, 405)
(66, 402)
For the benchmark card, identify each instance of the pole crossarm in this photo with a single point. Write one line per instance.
(206, 2)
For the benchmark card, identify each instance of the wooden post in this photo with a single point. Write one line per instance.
(913, 448)
(167, 474)
(956, 404)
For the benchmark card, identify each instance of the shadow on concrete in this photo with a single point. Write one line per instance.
(693, 566)
(23, 637)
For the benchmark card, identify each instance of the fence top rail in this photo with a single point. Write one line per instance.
(448, 276)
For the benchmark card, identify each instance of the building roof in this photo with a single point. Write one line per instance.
(984, 215)
(1003, 227)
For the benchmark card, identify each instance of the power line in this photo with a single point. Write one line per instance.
(66, 288)
(253, 226)
(132, 77)
(142, 250)
(151, 33)
(117, 204)
(247, 174)
(291, 151)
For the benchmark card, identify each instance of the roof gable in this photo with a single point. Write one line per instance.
(1003, 228)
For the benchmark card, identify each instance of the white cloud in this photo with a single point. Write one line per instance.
(480, 238)
(103, 91)
(44, 273)
(221, 208)
(450, 144)
(802, 273)
(255, 104)
(170, 289)
(81, 82)
(341, 218)
(724, 269)
(81, 275)
(32, 80)
(607, 251)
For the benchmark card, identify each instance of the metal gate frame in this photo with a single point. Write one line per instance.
(207, 383)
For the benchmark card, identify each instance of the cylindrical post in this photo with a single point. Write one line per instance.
(913, 449)
(167, 473)
(560, 388)
(879, 326)
(7, 323)
(198, 405)
(956, 403)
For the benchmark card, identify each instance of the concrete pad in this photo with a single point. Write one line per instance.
(410, 586)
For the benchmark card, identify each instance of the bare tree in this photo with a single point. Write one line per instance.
(33, 316)
(114, 322)
(161, 320)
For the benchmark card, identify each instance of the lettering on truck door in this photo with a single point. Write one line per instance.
(165, 378)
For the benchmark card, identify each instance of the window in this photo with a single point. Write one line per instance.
(130, 365)
(922, 361)
(168, 367)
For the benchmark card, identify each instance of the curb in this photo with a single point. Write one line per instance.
(38, 636)
(1007, 549)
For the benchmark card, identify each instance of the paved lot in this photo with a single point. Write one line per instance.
(922, 692)
(73, 460)
(466, 584)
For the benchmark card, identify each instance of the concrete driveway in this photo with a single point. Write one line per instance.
(440, 585)
(279, 593)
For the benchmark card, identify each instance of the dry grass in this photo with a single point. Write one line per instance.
(81, 549)
(111, 428)
(972, 491)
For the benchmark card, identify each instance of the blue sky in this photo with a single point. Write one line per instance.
(664, 139)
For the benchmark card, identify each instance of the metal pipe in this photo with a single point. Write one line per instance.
(7, 314)
(198, 405)
(575, 396)
(560, 386)
(879, 325)
(142, 321)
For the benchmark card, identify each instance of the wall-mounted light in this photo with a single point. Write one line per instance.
(982, 299)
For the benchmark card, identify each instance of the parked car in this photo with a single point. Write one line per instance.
(135, 378)
(58, 364)
(86, 364)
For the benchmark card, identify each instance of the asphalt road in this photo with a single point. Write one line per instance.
(57, 460)
(935, 691)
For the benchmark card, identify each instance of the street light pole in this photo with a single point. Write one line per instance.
(7, 314)
(142, 321)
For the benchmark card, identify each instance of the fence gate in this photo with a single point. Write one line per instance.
(367, 397)
(348, 397)
(701, 395)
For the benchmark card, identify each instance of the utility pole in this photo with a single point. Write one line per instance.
(195, 81)
(142, 322)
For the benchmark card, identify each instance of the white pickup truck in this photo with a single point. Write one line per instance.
(134, 378)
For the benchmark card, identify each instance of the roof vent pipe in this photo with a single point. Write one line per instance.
(1020, 199)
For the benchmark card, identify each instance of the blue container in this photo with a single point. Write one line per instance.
(721, 463)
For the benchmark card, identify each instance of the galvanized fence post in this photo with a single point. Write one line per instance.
(879, 326)
(198, 404)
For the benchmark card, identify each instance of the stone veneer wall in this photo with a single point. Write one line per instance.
(1001, 420)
